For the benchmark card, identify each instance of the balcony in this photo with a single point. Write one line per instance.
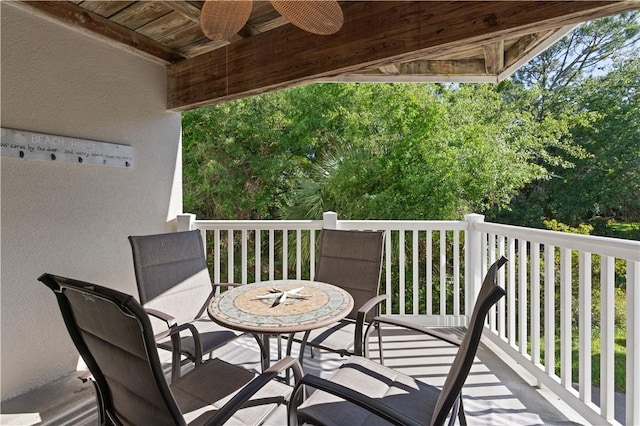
(432, 270)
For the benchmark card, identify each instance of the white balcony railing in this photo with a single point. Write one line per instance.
(430, 266)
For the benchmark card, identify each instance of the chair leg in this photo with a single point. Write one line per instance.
(176, 358)
(461, 415)
(102, 413)
(263, 351)
(290, 343)
(379, 330)
(303, 344)
(279, 347)
(458, 411)
(367, 337)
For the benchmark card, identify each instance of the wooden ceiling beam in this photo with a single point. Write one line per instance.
(185, 9)
(457, 67)
(389, 69)
(81, 19)
(494, 57)
(374, 34)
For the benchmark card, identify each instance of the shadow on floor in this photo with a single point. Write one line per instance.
(493, 393)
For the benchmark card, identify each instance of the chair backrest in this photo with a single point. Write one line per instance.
(114, 337)
(351, 260)
(489, 294)
(171, 273)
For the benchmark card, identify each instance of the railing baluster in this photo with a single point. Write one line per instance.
(230, 256)
(492, 258)
(535, 303)
(607, 336)
(456, 272)
(401, 267)
(511, 292)
(429, 272)
(258, 258)
(244, 256)
(415, 269)
(565, 317)
(298, 254)
(285, 254)
(633, 343)
(522, 296)
(584, 326)
(502, 303)
(443, 272)
(216, 256)
(387, 268)
(312, 254)
(483, 255)
(272, 249)
(549, 310)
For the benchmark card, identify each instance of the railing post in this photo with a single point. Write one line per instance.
(185, 221)
(330, 220)
(472, 262)
(633, 345)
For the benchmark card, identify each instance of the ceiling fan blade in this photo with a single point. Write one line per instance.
(322, 17)
(220, 20)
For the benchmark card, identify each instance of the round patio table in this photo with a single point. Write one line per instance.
(253, 308)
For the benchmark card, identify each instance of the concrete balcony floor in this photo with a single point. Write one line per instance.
(494, 393)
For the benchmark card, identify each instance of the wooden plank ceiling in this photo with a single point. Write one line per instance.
(384, 41)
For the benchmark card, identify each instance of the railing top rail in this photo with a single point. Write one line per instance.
(606, 246)
(404, 225)
(396, 225)
(257, 224)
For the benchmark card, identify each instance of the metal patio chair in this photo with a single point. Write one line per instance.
(374, 394)
(174, 286)
(351, 260)
(113, 334)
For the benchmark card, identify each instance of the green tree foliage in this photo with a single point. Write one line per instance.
(606, 184)
(236, 162)
(420, 152)
(583, 52)
(594, 166)
(385, 151)
(550, 143)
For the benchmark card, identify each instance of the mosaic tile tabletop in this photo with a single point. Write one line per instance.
(246, 308)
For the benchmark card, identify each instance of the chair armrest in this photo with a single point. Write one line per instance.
(228, 409)
(361, 315)
(171, 321)
(227, 284)
(212, 294)
(370, 404)
(421, 329)
(371, 303)
(175, 328)
(173, 331)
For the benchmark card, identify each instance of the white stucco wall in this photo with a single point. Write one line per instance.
(72, 219)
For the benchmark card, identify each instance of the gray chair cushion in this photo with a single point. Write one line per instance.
(211, 334)
(113, 334)
(413, 398)
(203, 391)
(172, 277)
(336, 338)
(392, 394)
(351, 260)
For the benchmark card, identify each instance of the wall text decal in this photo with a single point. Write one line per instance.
(40, 146)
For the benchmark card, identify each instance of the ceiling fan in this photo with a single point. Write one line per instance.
(221, 19)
